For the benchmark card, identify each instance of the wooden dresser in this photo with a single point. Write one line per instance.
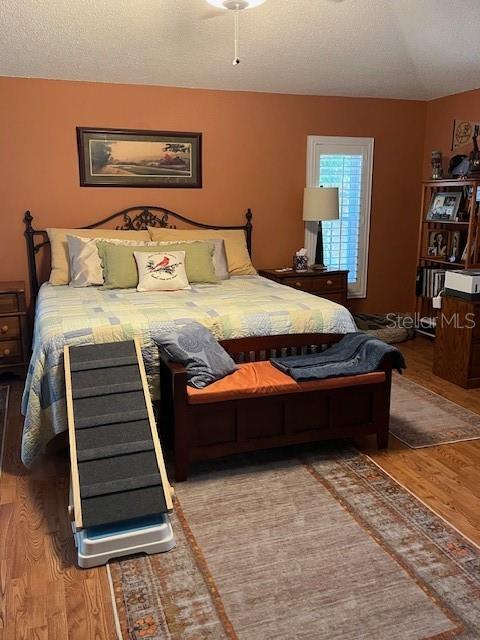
(457, 343)
(13, 328)
(326, 284)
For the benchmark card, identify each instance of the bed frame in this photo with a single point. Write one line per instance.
(131, 219)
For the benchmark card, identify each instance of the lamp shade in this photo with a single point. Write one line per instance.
(320, 203)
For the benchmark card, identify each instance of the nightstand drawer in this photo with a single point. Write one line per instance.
(8, 303)
(303, 284)
(328, 283)
(10, 350)
(9, 327)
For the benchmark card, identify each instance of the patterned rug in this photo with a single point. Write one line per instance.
(4, 391)
(421, 418)
(301, 545)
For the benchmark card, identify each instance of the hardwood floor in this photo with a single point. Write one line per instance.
(44, 596)
(447, 477)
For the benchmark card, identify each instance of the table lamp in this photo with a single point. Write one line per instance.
(320, 203)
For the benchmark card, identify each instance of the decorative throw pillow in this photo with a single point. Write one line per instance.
(195, 347)
(60, 273)
(219, 256)
(161, 271)
(238, 258)
(118, 263)
(198, 260)
(120, 269)
(85, 263)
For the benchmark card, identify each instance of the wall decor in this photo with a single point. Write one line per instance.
(444, 205)
(463, 131)
(136, 158)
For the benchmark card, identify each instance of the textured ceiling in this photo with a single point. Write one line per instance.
(417, 49)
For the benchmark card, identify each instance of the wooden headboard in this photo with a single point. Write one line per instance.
(131, 219)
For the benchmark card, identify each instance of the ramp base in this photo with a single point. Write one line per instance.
(97, 545)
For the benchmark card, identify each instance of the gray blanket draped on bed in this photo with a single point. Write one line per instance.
(356, 353)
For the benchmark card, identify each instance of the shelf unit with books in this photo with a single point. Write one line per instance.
(449, 238)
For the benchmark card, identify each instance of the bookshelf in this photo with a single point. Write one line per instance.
(439, 240)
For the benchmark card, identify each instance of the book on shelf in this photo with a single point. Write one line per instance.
(430, 281)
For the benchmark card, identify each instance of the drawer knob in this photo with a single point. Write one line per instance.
(329, 283)
(6, 352)
(298, 284)
(5, 328)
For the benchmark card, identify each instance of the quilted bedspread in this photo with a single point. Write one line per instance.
(241, 306)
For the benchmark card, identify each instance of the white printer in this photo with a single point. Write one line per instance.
(463, 284)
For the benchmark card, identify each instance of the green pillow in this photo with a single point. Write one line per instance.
(120, 268)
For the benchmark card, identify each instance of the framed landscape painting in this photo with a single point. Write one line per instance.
(132, 158)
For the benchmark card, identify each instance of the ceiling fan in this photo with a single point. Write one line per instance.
(234, 6)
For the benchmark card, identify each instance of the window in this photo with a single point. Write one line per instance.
(346, 163)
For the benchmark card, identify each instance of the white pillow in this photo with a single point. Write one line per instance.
(161, 271)
(85, 262)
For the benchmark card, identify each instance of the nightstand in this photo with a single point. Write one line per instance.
(328, 284)
(13, 328)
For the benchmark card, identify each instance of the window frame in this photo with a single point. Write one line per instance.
(333, 145)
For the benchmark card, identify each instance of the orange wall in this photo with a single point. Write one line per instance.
(441, 114)
(254, 156)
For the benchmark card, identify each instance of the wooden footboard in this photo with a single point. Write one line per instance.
(211, 430)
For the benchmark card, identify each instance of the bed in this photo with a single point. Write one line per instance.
(240, 307)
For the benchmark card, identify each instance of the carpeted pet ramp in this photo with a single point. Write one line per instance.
(120, 490)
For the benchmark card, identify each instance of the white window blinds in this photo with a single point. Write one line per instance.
(345, 163)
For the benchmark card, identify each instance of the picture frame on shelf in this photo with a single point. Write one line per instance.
(438, 243)
(138, 158)
(455, 245)
(444, 206)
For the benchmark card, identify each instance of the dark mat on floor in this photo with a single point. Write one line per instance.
(391, 327)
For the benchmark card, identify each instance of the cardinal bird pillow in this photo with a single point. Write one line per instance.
(161, 271)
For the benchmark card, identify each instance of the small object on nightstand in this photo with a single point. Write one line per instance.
(13, 328)
(300, 260)
(330, 284)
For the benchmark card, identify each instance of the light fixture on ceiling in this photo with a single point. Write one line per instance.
(235, 6)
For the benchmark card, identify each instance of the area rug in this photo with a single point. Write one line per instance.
(421, 418)
(324, 546)
(4, 391)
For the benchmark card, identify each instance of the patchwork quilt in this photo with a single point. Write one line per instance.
(240, 307)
